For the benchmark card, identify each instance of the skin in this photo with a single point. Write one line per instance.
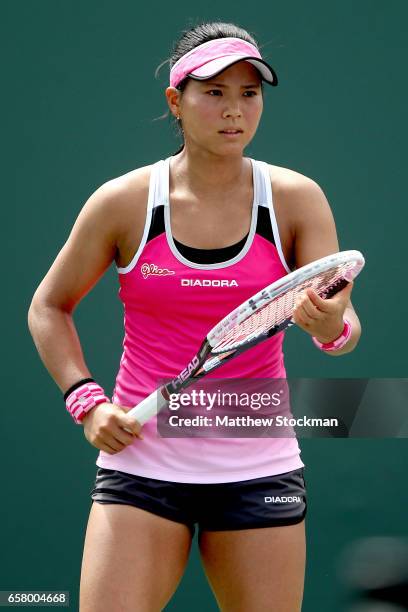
(211, 196)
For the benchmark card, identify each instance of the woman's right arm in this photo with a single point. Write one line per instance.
(90, 249)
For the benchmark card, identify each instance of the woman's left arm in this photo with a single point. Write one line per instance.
(315, 236)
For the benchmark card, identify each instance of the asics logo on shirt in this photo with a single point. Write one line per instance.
(206, 282)
(153, 270)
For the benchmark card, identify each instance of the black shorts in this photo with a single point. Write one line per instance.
(261, 502)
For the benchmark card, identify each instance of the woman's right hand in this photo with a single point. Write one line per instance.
(105, 428)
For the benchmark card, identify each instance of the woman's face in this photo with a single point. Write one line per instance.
(221, 114)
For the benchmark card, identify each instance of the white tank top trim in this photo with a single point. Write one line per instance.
(267, 200)
(159, 195)
(153, 197)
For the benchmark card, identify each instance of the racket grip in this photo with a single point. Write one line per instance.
(148, 407)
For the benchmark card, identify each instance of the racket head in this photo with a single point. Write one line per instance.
(274, 305)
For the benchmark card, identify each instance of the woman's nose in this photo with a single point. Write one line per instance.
(232, 111)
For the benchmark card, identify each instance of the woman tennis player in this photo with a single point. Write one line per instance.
(192, 236)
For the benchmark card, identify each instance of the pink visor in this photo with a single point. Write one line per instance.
(214, 56)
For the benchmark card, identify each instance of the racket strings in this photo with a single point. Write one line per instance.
(280, 308)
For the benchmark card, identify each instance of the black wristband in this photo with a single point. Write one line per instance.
(76, 385)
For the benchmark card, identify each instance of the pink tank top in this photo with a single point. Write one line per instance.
(167, 314)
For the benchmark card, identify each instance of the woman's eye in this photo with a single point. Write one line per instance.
(218, 92)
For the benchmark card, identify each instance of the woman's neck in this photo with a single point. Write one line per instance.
(204, 172)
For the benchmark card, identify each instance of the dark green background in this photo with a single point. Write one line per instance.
(79, 102)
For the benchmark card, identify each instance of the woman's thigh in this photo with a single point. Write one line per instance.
(133, 560)
(256, 569)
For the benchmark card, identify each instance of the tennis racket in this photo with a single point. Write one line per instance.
(264, 315)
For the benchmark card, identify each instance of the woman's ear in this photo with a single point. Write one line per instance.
(173, 100)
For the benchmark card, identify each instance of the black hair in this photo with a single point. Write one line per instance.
(198, 35)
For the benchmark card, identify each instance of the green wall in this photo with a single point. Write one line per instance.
(79, 106)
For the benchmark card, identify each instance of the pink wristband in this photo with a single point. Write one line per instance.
(83, 399)
(339, 342)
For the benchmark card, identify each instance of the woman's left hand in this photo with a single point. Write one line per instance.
(320, 318)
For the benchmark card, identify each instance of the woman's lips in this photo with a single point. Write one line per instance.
(230, 133)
